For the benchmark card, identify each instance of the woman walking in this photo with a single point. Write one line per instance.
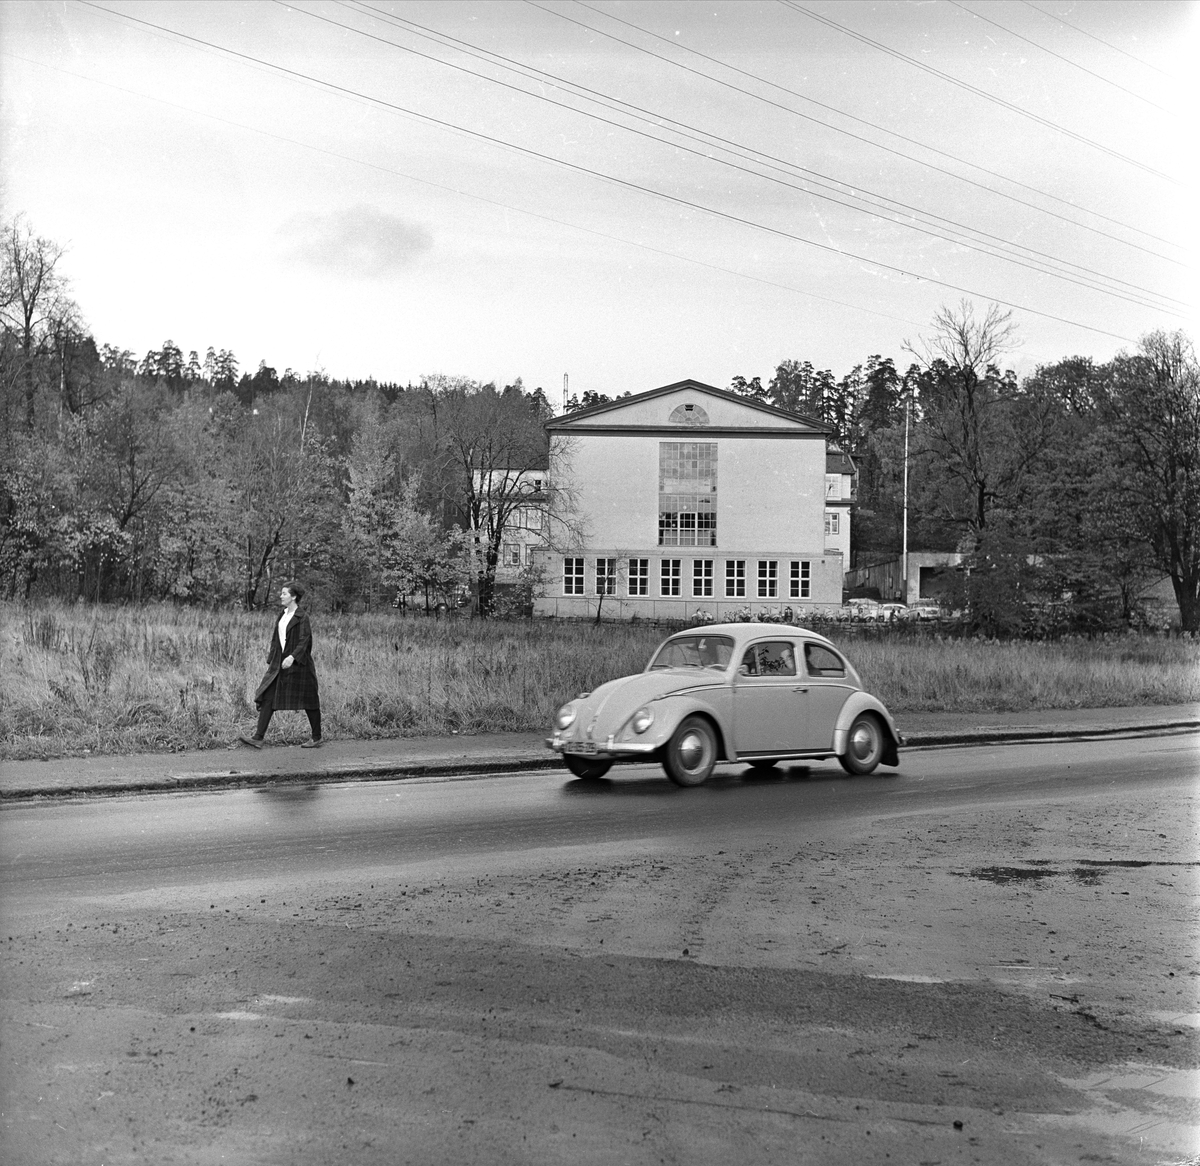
(290, 681)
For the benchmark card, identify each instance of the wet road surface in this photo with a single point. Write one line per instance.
(786, 968)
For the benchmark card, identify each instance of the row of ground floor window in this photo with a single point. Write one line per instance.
(671, 578)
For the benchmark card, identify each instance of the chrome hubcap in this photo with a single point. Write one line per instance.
(691, 750)
(862, 741)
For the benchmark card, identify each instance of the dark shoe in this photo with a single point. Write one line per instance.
(253, 742)
(311, 744)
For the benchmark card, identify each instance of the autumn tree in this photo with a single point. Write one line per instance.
(492, 451)
(34, 308)
(981, 429)
(288, 504)
(798, 387)
(421, 558)
(375, 500)
(1151, 410)
(752, 389)
(196, 554)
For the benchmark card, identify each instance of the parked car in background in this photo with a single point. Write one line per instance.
(750, 692)
(926, 609)
(890, 611)
(863, 609)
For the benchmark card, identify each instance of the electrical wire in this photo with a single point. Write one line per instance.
(678, 44)
(994, 248)
(1059, 56)
(614, 180)
(1093, 36)
(493, 202)
(966, 85)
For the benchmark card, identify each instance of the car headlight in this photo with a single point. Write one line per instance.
(642, 720)
(565, 717)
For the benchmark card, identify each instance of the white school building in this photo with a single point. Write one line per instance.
(687, 499)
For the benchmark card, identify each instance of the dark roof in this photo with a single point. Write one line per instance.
(837, 461)
(697, 386)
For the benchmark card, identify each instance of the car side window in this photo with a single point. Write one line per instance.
(822, 662)
(776, 658)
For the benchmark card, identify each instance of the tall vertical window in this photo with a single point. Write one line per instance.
(768, 578)
(702, 578)
(735, 578)
(670, 578)
(639, 576)
(572, 576)
(799, 587)
(687, 494)
(832, 522)
(606, 576)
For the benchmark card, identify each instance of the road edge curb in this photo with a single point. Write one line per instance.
(242, 779)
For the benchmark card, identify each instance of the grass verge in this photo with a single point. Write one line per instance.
(111, 680)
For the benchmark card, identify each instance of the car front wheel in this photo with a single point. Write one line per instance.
(691, 752)
(586, 768)
(864, 745)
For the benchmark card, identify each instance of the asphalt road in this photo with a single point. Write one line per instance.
(988, 956)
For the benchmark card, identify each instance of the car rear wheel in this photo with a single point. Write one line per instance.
(586, 768)
(864, 745)
(691, 753)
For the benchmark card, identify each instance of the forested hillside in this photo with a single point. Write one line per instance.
(180, 476)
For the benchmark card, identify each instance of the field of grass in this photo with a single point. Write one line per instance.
(89, 679)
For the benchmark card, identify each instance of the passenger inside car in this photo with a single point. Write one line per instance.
(776, 658)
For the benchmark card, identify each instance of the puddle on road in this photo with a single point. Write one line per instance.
(1166, 1135)
(1187, 1019)
(1157, 1106)
(1088, 871)
(907, 979)
(1009, 874)
(1152, 1078)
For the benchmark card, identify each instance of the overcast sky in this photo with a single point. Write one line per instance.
(632, 193)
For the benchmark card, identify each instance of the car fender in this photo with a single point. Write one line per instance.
(861, 702)
(672, 709)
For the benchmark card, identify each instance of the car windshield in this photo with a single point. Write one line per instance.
(694, 652)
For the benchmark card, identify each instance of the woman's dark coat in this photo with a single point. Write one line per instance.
(295, 687)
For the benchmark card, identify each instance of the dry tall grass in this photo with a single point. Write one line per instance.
(134, 679)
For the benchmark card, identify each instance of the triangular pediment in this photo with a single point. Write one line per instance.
(686, 406)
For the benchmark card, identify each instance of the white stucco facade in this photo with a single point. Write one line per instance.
(689, 498)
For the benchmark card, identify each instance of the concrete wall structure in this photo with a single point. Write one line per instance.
(929, 576)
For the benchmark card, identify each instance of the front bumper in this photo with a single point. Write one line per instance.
(607, 749)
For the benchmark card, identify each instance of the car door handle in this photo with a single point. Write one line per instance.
(800, 688)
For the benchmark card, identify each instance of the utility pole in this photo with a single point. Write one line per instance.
(564, 392)
(904, 534)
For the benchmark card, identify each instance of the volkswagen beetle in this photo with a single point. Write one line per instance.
(758, 693)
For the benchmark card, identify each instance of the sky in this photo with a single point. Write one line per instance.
(628, 193)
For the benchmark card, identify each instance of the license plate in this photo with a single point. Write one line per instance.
(585, 747)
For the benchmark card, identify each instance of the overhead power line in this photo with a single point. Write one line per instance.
(494, 202)
(676, 43)
(1093, 36)
(1060, 57)
(961, 234)
(624, 183)
(983, 93)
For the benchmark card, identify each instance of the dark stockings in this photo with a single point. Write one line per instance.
(268, 709)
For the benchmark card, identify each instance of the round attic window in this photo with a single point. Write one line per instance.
(688, 415)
